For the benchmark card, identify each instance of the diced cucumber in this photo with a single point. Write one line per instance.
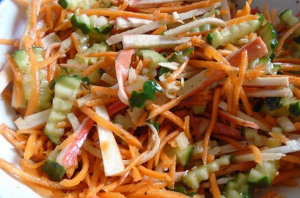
(288, 17)
(199, 110)
(233, 33)
(22, 61)
(294, 109)
(73, 4)
(269, 36)
(151, 54)
(238, 187)
(262, 175)
(82, 59)
(181, 56)
(193, 177)
(92, 24)
(52, 168)
(66, 88)
(184, 156)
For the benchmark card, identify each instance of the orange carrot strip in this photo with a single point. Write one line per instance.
(176, 73)
(102, 54)
(231, 141)
(238, 85)
(241, 19)
(32, 103)
(282, 176)
(76, 42)
(14, 68)
(291, 158)
(7, 41)
(114, 13)
(244, 11)
(160, 109)
(245, 166)
(256, 153)
(296, 92)
(104, 90)
(266, 12)
(246, 102)
(186, 128)
(49, 60)
(33, 14)
(211, 124)
(172, 171)
(111, 126)
(213, 186)
(159, 30)
(30, 146)
(271, 120)
(99, 64)
(18, 89)
(286, 35)
(154, 174)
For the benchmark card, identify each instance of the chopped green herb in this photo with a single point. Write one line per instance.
(138, 98)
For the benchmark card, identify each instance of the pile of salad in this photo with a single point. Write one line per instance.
(166, 98)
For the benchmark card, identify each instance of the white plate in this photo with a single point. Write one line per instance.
(12, 20)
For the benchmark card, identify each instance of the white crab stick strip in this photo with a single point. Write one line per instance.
(194, 24)
(122, 65)
(112, 159)
(151, 41)
(123, 23)
(139, 30)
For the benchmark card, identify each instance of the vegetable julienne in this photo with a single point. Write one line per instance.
(154, 99)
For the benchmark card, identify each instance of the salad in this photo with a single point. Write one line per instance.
(154, 99)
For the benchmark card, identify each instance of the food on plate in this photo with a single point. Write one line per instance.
(166, 98)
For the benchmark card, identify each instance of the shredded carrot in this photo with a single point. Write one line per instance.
(104, 90)
(32, 103)
(49, 60)
(266, 12)
(241, 19)
(115, 13)
(76, 42)
(238, 85)
(160, 109)
(14, 68)
(231, 141)
(285, 36)
(246, 102)
(99, 64)
(244, 11)
(159, 30)
(213, 186)
(211, 124)
(103, 54)
(154, 174)
(242, 167)
(256, 153)
(291, 158)
(7, 41)
(282, 176)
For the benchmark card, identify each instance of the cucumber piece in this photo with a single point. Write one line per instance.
(181, 56)
(288, 18)
(184, 156)
(199, 110)
(238, 187)
(151, 54)
(66, 88)
(233, 33)
(54, 170)
(82, 59)
(294, 109)
(262, 175)
(269, 36)
(22, 60)
(193, 177)
(273, 103)
(73, 4)
(92, 24)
